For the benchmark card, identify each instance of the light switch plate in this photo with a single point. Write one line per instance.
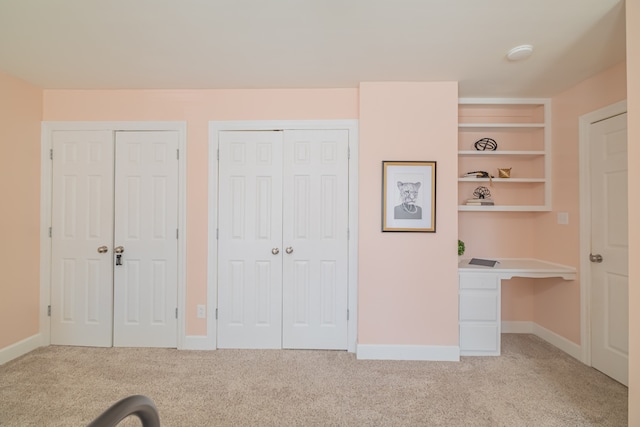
(563, 218)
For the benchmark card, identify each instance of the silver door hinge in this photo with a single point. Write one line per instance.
(348, 234)
(176, 312)
(348, 152)
(178, 154)
(49, 311)
(50, 232)
(51, 153)
(347, 314)
(177, 233)
(218, 154)
(217, 233)
(216, 314)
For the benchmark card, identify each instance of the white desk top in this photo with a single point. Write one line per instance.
(520, 267)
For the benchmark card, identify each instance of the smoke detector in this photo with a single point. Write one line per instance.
(519, 53)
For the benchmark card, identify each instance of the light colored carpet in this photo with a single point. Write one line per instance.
(531, 384)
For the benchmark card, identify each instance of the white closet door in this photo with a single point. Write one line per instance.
(146, 224)
(315, 260)
(250, 240)
(82, 238)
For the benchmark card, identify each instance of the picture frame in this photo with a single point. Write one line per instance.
(409, 196)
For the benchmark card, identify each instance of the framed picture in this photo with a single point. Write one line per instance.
(409, 196)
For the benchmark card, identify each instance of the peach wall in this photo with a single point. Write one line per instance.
(20, 115)
(557, 302)
(408, 285)
(633, 123)
(197, 107)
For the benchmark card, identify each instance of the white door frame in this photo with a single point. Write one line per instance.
(585, 122)
(212, 274)
(45, 209)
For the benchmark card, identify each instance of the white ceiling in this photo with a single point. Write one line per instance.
(211, 44)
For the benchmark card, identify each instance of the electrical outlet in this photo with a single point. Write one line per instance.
(202, 311)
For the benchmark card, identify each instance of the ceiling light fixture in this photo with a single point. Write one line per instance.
(519, 53)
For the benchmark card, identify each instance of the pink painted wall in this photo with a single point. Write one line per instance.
(557, 302)
(633, 123)
(20, 115)
(197, 107)
(408, 283)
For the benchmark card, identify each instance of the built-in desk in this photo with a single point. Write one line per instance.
(479, 299)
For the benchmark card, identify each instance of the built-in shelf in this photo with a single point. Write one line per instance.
(521, 130)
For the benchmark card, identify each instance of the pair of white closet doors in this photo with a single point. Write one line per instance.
(114, 278)
(283, 210)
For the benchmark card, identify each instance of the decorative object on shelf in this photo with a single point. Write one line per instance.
(482, 193)
(480, 202)
(486, 144)
(461, 247)
(477, 174)
(504, 172)
(409, 196)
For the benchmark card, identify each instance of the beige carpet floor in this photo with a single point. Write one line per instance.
(531, 384)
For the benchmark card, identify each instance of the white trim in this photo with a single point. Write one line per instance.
(408, 352)
(349, 125)
(569, 347)
(527, 327)
(585, 122)
(45, 210)
(197, 342)
(20, 348)
(517, 327)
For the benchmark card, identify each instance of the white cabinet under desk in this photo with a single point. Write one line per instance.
(479, 299)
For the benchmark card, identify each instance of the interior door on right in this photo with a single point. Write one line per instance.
(315, 239)
(609, 239)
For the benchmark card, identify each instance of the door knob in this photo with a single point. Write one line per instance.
(275, 251)
(103, 249)
(595, 258)
(118, 249)
(289, 250)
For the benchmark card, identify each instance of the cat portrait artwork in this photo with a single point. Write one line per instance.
(408, 196)
(407, 209)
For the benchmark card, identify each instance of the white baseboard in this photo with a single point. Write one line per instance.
(195, 342)
(517, 327)
(408, 352)
(20, 348)
(526, 327)
(569, 347)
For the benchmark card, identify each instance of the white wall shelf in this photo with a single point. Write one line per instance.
(522, 131)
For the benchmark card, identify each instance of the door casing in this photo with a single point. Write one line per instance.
(45, 210)
(585, 122)
(212, 287)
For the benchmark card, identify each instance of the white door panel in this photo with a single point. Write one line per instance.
(315, 218)
(250, 239)
(609, 238)
(82, 222)
(146, 224)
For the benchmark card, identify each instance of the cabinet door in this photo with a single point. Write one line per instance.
(479, 304)
(250, 240)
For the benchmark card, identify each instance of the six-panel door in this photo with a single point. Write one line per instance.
(107, 194)
(283, 218)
